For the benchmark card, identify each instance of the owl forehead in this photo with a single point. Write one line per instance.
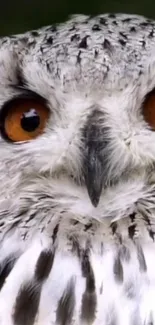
(106, 52)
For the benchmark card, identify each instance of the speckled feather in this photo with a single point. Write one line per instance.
(62, 260)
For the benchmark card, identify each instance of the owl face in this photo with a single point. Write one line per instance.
(77, 120)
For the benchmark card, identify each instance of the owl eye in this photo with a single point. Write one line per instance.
(149, 109)
(24, 119)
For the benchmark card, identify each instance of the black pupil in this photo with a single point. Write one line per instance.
(30, 120)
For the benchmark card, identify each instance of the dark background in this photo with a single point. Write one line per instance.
(17, 16)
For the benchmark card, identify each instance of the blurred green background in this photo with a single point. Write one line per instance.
(17, 16)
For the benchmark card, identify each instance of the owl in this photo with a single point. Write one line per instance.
(77, 173)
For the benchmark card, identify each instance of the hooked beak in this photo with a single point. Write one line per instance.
(94, 173)
(94, 177)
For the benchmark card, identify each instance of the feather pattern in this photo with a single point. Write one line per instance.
(66, 256)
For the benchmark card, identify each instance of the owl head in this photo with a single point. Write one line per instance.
(77, 122)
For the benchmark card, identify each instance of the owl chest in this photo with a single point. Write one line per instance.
(88, 282)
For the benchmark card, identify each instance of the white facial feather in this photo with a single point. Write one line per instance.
(63, 260)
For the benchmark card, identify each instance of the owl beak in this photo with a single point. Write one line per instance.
(93, 163)
(94, 176)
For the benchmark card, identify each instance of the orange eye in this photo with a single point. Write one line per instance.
(24, 119)
(149, 110)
